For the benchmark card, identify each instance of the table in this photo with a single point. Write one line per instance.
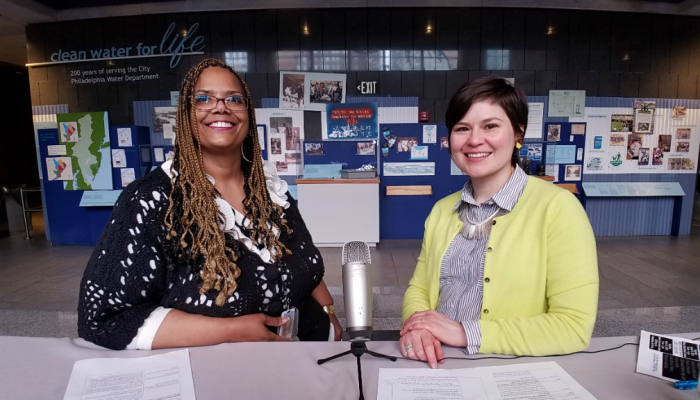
(639, 189)
(39, 368)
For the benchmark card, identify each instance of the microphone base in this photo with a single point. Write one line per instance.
(360, 333)
(358, 349)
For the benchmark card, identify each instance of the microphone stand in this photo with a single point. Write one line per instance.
(358, 348)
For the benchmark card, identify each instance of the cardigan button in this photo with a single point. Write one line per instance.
(494, 222)
(489, 249)
(487, 280)
(271, 273)
(486, 311)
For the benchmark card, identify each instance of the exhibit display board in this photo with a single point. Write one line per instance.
(86, 160)
(625, 140)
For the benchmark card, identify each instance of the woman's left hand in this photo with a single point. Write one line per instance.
(443, 328)
(337, 326)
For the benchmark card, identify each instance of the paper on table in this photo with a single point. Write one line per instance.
(148, 378)
(545, 380)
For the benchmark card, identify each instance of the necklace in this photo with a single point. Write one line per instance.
(476, 230)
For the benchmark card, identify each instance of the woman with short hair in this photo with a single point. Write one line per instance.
(508, 265)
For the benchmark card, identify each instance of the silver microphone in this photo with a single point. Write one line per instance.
(357, 290)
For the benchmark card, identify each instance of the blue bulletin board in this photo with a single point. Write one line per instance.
(68, 223)
(340, 152)
(567, 152)
(131, 150)
(403, 217)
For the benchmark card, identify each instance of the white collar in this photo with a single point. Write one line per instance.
(276, 187)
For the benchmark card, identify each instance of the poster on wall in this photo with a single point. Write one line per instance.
(535, 117)
(283, 135)
(310, 91)
(567, 103)
(644, 117)
(355, 121)
(164, 122)
(59, 168)
(91, 159)
(623, 150)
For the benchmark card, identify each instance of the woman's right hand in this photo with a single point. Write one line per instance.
(253, 328)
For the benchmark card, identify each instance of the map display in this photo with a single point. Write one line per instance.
(59, 168)
(87, 145)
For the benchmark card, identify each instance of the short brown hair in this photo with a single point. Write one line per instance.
(495, 90)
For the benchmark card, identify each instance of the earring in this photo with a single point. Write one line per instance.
(243, 154)
(518, 145)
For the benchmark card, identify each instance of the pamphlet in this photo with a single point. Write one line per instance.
(667, 357)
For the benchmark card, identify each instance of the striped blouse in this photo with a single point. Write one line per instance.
(462, 268)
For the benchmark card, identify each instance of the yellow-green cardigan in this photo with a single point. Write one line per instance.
(540, 273)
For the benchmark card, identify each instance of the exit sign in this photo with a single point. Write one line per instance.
(367, 87)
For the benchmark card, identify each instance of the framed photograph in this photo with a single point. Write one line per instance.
(634, 144)
(679, 112)
(404, 144)
(644, 156)
(554, 133)
(275, 145)
(572, 173)
(292, 91)
(366, 149)
(683, 133)
(419, 152)
(310, 91)
(617, 139)
(682, 147)
(644, 117)
(621, 123)
(313, 149)
(444, 143)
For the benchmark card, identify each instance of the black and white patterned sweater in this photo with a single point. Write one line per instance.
(129, 274)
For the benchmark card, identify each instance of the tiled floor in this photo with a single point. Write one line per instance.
(645, 283)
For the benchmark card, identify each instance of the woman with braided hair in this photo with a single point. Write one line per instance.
(208, 248)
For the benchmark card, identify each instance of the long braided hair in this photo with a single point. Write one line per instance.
(193, 218)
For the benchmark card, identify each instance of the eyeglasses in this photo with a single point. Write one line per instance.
(233, 103)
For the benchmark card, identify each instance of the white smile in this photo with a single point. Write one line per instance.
(477, 155)
(221, 124)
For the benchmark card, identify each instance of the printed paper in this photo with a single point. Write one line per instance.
(429, 133)
(118, 158)
(128, 176)
(158, 154)
(57, 150)
(124, 137)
